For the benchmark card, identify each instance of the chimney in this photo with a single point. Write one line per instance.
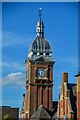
(64, 77)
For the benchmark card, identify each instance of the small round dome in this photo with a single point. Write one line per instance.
(40, 24)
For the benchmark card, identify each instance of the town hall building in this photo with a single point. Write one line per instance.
(37, 101)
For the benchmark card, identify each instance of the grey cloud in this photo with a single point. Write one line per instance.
(16, 79)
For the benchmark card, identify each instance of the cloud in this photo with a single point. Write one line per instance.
(13, 65)
(16, 79)
(10, 38)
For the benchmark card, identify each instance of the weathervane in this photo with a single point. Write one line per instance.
(40, 9)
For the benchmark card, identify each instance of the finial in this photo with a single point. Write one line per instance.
(40, 9)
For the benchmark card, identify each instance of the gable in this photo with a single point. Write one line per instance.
(41, 113)
(40, 59)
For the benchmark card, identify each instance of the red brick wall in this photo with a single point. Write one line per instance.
(50, 98)
(38, 95)
(33, 99)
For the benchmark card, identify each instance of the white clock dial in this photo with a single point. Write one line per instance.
(41, 72)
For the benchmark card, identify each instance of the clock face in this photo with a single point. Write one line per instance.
(41, 72)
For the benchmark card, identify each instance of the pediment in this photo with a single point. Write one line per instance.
(40, 59)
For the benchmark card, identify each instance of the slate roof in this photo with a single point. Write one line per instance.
(55, 106)
(41, 113)
(40, 44)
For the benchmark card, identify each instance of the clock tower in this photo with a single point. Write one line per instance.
(39, 73)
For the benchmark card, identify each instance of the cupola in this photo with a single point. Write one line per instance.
(40, 46)
(40, 26)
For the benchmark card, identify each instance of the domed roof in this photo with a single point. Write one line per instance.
(40, 24)
(40, 44)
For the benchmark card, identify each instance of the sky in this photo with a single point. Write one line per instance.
(40, 0)
(19, 20)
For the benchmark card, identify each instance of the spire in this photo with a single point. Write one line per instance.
(40, 26)
(40, 10)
